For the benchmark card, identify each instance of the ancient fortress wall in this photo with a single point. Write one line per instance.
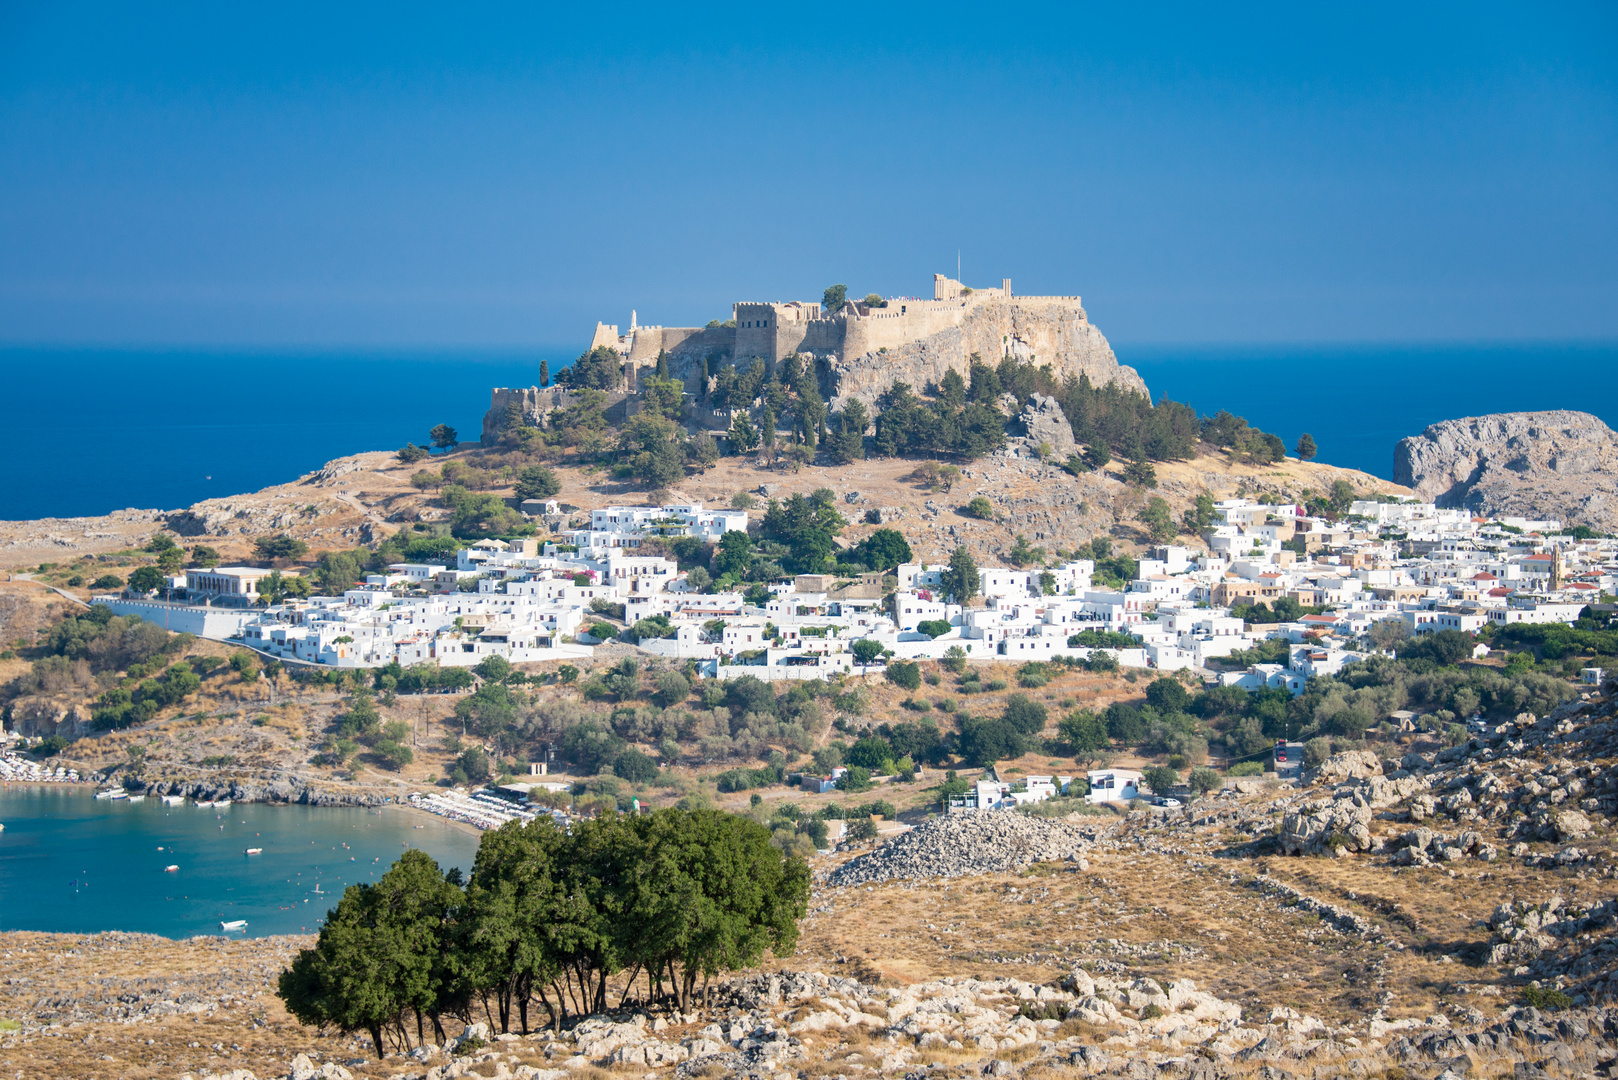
(861, 350)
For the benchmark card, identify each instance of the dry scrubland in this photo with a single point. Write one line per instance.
(359, 499)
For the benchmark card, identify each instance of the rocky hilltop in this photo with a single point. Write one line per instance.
(1558, 464)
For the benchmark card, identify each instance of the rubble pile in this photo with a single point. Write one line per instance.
(982, 842)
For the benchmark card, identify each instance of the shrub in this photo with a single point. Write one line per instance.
(1316, 751)
(862, 829)
(1540, 997)
(1247, 768)
(906, 674)
(934, 628)
(980, 508)
(856, 779)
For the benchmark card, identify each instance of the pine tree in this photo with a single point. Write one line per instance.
(767, 430)
(1306, 447)
(544, 373)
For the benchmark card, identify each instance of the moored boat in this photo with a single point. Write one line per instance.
(255, 851)
(234, 924)
(174, 800)
(171, 868)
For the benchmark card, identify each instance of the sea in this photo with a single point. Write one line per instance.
(94, 430)
(70, 863)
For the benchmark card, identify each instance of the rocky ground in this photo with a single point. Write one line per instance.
(1451, 913)
(1555, 464)
(359, 499)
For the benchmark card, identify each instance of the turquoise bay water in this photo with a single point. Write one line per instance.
(72, 863)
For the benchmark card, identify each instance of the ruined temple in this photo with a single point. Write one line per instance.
(862, 348)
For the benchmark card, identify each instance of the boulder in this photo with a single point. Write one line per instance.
(1349, 765)
(1571, 825)
(1043, 421)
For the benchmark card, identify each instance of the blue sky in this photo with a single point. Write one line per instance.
(409, 175)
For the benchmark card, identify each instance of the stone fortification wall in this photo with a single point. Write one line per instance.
(861, 350)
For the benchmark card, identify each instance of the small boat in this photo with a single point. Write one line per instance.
(234, 924)
(172, 868)
(112, 793)
(255, 851)
(174, 800)
(136, 798)
(221, 804)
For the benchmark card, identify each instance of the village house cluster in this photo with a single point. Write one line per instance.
(1429, 568)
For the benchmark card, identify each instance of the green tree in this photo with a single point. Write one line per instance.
(1201, 516)
(980, 508)
(743, 435)
(1023, 553)
(410, 453)
(884, 549)
(866, 651)
(274, 548)
(1097, 455)
(1158, 519)
(1306, 447)
(961, 580)
(1315, 752)
(204, 557)
(335, 572)
(834, 297)
(1160, 778)
(846, 443)
(651, 445)
(702, 452)
(766, 431)
(444, 437)
(144, 579)
(379, 954)
(904, 673)
(1203, 780)
(1085, 734)
(1167, 694)
(544, 373)
(1140, 473)
(1342, 496)
(537, 482)
(1025, 715)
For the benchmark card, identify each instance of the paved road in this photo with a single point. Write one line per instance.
(1289, 769)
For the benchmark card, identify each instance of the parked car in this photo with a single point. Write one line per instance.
(1281, 753)
(1163, 800)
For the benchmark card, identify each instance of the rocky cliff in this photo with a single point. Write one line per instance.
(1044, 333)
(1558, 464)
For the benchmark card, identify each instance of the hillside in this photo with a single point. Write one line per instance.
(357, 500)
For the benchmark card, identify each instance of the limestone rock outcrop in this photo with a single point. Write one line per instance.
(1056, 334)
(1043, 421)
(1558, 464)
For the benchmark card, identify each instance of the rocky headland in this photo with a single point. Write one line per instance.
(1558, 464)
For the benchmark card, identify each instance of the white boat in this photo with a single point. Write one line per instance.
(112, 793)
(136, 798)
(255, 851)
(174, 800)
(171, 868)
(234, 924)
(221, 804)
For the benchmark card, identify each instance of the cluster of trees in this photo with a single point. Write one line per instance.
(549, 918)
(599, 369)
(361, 725)
(950, 423)
(792, 409)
